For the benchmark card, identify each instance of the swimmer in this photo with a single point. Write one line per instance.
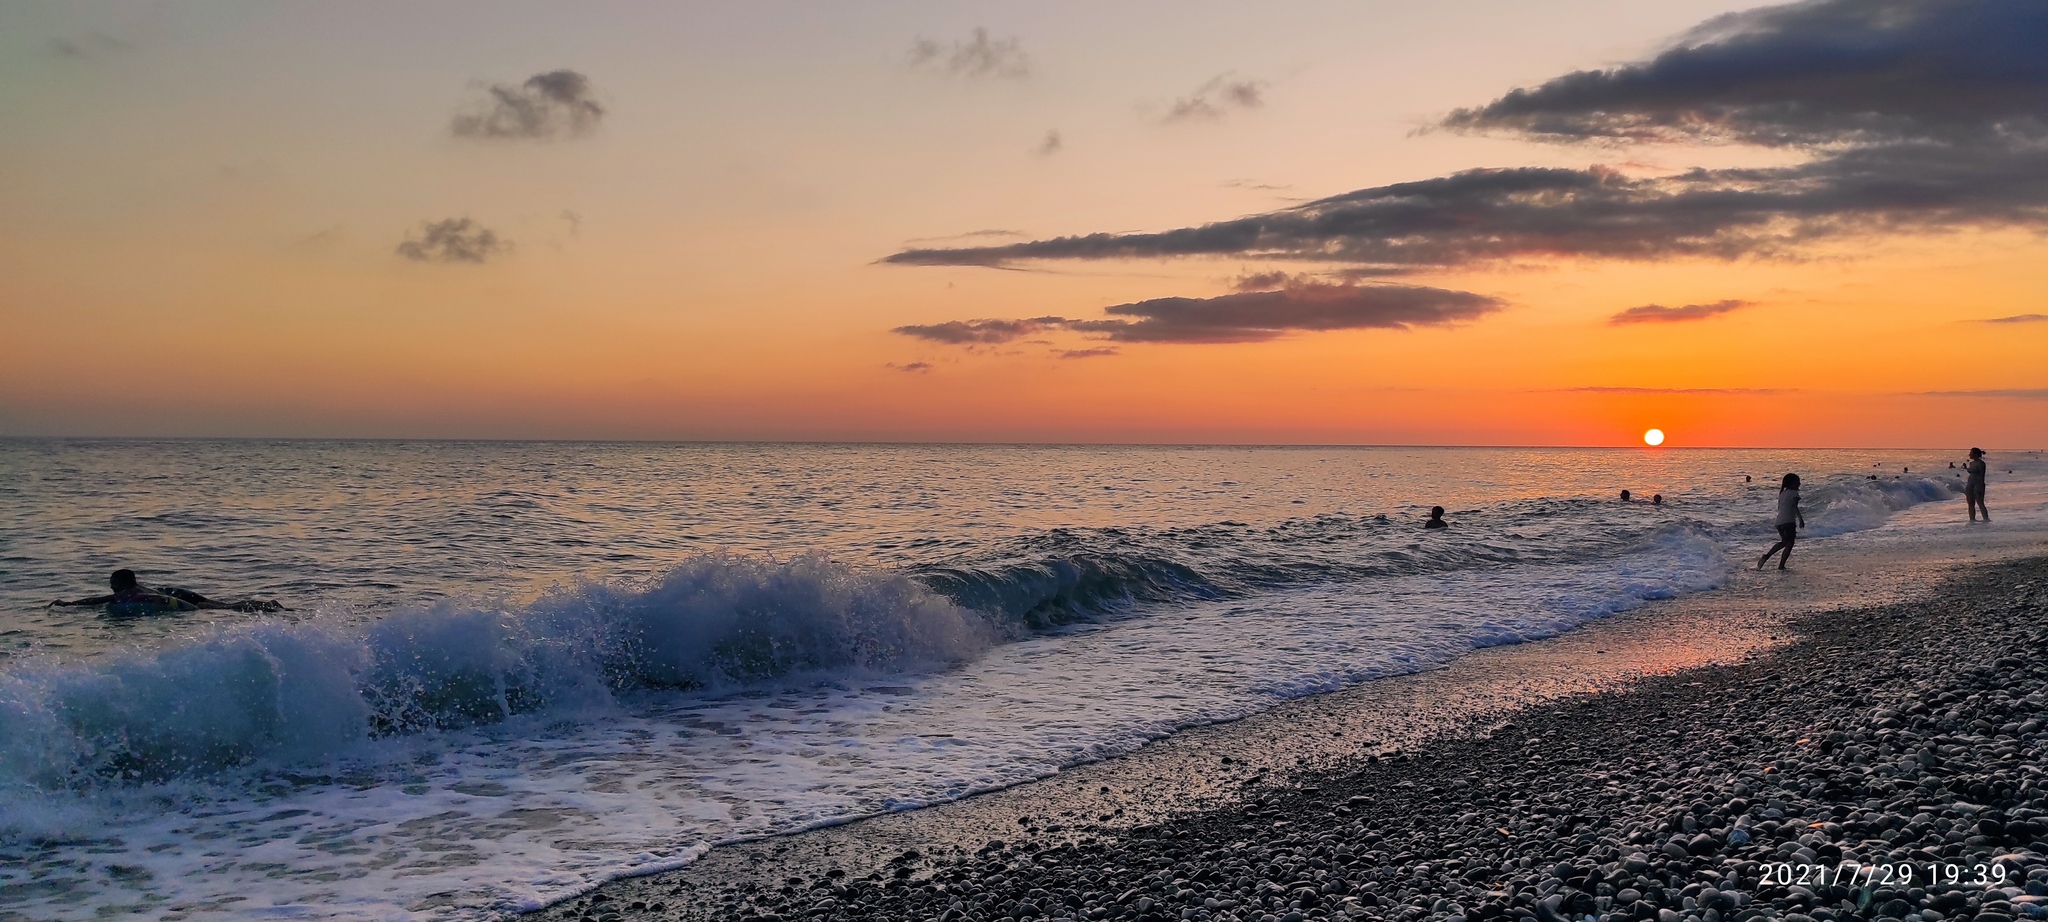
(1436, 518)
(130, 596)
(1656, 499)
(1624, 496)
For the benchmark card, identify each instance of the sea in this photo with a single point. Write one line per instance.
(512, 671)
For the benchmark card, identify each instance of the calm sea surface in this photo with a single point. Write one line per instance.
(513, 670)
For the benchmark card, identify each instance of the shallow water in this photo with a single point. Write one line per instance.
(519, 669)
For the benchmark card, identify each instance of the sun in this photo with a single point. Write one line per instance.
(1653, 437)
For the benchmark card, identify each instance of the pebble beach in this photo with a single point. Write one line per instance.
(1879, 762)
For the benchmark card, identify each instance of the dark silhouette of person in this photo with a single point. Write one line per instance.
(130, 596)
(1436, 518)
(1745, 478)
(1788, 513)
(1656, 499)
(1973, 486)
(1624, 496)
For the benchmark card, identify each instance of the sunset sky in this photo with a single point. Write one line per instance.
(1313, 222)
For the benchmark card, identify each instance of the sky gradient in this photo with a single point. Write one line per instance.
(1475, 223)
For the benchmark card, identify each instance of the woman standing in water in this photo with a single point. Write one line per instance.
(1788, 514)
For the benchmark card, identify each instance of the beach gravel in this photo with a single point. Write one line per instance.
(1796, 786)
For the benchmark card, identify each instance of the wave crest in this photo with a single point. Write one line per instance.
(291, 693)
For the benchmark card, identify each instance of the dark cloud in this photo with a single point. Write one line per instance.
(1742, 391)
(979, 56)
(983, 332)
(1098, 352)
(1658, 313)
(1051, 145)
(1251, 316)
(1818, 73)
(1261, 281)
(556, 104)
(1490, 215)
(913, 367)
(456, 240)
(1217, 98)
(2037, 393)
(1961, 142)
(2018, 318)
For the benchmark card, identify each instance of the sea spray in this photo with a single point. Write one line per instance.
(283, 694)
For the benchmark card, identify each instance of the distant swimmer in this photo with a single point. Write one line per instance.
(1624, 496)
(1788, 513)
(132, 598)
(1656, 499)
(1436, 518)
(1973, 488)
(1745, 478)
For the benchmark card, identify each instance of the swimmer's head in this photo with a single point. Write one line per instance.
(1976, 452)
(122, 580)
(1791, 482)
(1436, 512)
(1624, 496)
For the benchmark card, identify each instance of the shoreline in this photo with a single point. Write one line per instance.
(1221, 774)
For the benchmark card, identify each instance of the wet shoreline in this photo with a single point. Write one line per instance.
(1226, 776)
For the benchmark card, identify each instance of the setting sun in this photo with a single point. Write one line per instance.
(1653, 437)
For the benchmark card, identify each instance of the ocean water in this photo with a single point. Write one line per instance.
(513, 671)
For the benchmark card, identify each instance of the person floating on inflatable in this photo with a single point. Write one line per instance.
(132, 598)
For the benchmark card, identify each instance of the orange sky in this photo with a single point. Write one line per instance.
(203, 206)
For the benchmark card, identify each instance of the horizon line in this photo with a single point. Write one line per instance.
(972, 444)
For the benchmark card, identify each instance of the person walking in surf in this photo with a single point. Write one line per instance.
(1788, 514)
(1973, 487)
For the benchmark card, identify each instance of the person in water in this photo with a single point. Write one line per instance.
(1436, 518)
(1788, 513)
(1657, 499)
(1973, 487)
(1624, 496)
(131, 596)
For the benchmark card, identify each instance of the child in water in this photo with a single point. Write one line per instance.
(1788, 513)
(1436, 518)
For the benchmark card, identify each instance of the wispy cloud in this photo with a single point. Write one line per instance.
(2022, 393)
(1217, 98)
(455, 240)
(1734, 391)
(912, 367)
(555, 104)
(2018, 318)
(89, 45)
(1251, 316)
(1262, 281)
(1097, 352)
(978, 56)
(980, 332)
(1051, 145)
(1658, 313)
(1916, 116)
(1255, 185)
